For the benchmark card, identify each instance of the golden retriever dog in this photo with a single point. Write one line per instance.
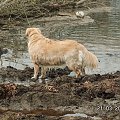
(47, 52)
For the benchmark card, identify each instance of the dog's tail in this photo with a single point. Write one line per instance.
(90, 60)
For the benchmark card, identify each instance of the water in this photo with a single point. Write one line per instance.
(101, 37)
(82, 115)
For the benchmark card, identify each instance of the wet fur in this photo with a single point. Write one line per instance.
(47, 52)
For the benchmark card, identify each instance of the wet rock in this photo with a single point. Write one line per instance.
(3, 51)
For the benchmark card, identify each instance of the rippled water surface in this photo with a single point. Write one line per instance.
(101, 37)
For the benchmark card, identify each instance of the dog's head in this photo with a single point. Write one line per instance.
(31, 31)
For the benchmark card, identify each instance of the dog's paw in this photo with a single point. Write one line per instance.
(34, 79)
(40, 76)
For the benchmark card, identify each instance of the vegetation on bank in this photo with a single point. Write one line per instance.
(40, 8)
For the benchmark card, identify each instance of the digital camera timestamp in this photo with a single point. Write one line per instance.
(108, 108)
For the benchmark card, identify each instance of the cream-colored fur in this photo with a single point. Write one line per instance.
(47, 52)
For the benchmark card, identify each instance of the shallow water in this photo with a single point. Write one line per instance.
(101, 37)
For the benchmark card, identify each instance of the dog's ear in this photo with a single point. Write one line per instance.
(30, 30)
(27, 31)
(38, 30)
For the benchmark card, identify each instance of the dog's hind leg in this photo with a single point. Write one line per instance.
(36, 71)
(78, 73)
(83, 71)
(76, 70)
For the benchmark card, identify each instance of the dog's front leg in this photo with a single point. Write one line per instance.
(36, 71)
(43, 72)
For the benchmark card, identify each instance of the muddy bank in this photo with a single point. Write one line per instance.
(62, 97)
